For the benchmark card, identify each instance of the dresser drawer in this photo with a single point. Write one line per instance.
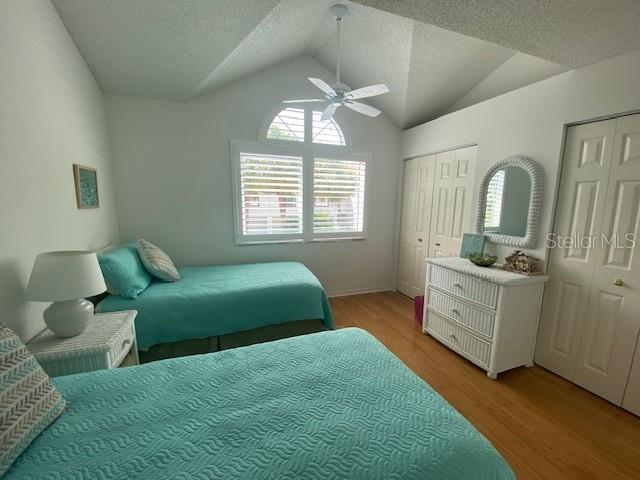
(472, 347)
(120, 346)
(464, 286)
(474, 318)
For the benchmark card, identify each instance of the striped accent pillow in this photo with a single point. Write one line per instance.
(157, 262)
(29, 402)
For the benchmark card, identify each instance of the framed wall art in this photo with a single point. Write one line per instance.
(86, 179)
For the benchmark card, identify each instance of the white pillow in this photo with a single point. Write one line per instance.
(157, 263)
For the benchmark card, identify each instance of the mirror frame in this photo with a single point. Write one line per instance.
(535, 202)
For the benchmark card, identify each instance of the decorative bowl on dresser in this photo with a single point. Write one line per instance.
(106, 342)
(487, 315)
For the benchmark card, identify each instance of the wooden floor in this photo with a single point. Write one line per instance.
(545, 427)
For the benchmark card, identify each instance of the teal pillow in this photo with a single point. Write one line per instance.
(123, 271)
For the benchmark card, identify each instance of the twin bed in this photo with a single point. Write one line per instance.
(267, 299)
(326, 405)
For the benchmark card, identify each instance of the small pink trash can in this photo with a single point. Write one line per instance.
(419, 305)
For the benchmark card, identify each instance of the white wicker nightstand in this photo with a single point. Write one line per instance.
(104, 344)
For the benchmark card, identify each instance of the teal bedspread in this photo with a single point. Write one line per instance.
(219, 300)
(331, 405)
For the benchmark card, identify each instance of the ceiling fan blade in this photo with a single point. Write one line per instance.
(322, 85)
(363, 108)
(306, 100)
(328, 112)
(365, 92)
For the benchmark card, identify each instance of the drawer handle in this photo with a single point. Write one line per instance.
(455, 311)
(453, 337)
(457, 285)
(126, 342)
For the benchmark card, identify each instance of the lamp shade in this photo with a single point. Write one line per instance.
(60, 276)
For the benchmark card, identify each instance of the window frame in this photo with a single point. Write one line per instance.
(308, 128)
(308, 151)
(329, 236)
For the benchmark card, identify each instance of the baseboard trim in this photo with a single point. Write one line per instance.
(346, 293)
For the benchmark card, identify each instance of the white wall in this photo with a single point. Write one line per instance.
(52, 115)
(531, 121)
(173, 177)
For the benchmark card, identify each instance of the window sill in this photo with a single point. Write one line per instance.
(242, 243)
(338, 239)
(299, 240)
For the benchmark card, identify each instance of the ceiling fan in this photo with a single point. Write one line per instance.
(340, 94)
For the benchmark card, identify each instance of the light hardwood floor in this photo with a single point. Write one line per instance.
(545, 427)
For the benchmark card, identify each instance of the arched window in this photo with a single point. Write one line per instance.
(289, 125)
(300, 182)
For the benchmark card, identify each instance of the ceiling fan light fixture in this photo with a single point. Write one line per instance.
(339, 94)
(339, 11)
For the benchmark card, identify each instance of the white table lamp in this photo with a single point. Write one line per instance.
(65, 278)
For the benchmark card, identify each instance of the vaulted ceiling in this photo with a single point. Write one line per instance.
(435, 56)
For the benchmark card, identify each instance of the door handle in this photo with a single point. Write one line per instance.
(618, 282)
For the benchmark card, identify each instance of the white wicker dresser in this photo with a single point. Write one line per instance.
(104, 344)
(487, 315)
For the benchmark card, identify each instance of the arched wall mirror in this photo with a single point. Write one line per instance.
(509, 202)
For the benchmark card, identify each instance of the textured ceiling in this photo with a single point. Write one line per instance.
(435, 55)
(573, 33)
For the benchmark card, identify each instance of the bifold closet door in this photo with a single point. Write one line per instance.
(415, 223)
(590, 321)
(585, 172)
(452, 200)
(612, 322)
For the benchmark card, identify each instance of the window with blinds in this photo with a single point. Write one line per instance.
(270, 195)
(338, 196)
(493, 209)
(300, 182)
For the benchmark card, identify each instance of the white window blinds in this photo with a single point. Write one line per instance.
(270, 194)
(338, 196)
(287, 125)
(327, 132)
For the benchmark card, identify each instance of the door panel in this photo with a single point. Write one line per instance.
(462, 186)
(568, 309)
(415, 224)
(441, 223)
(407, 226)
(583, 184)
(583, 217)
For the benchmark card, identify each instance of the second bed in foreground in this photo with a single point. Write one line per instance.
(327, 405)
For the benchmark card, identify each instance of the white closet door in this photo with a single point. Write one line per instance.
(461, 197)
(415, 223)
(590, 322)
(613, 314)
(583, 185)
(442, 205)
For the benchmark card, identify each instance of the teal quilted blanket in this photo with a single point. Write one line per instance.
(331, 405)
(211, 301)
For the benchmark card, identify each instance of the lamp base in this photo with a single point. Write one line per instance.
(68, 318)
